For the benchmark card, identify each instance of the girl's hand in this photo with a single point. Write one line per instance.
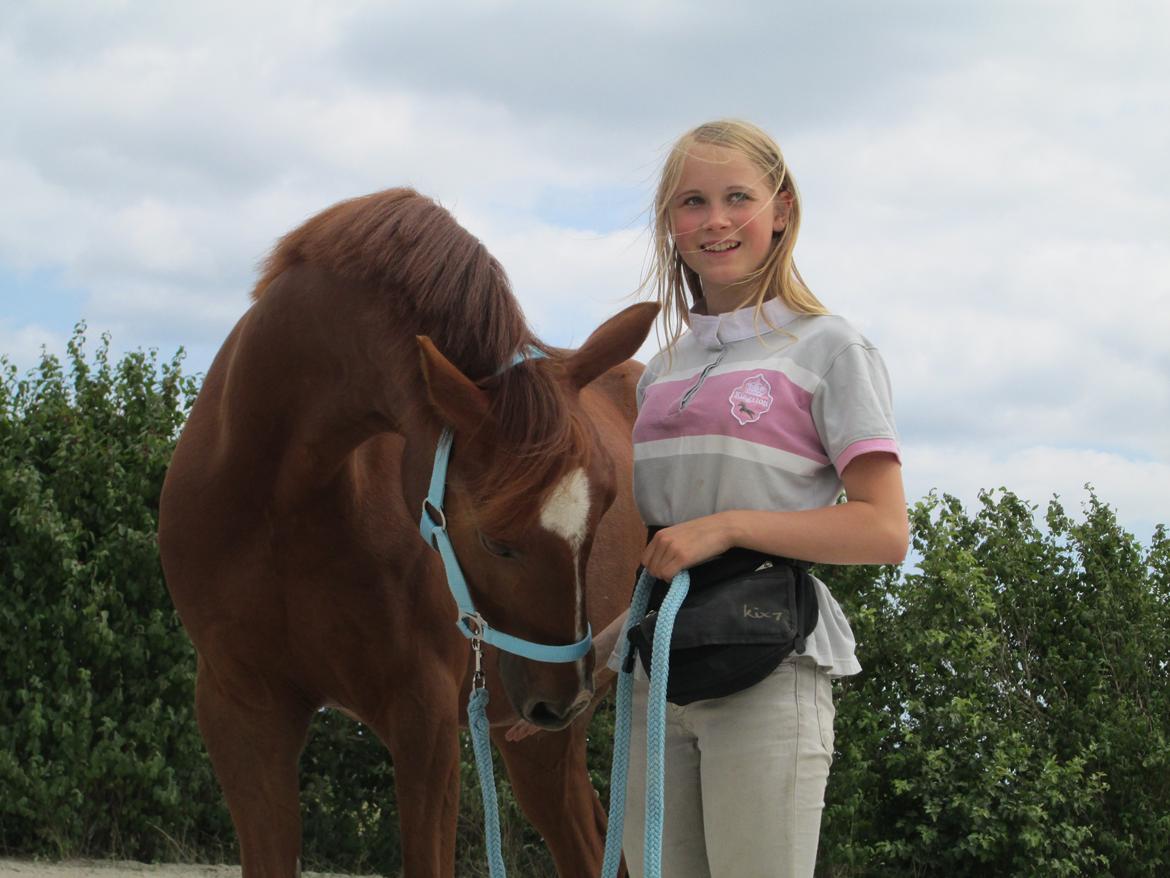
(521, 730)
(685, 545)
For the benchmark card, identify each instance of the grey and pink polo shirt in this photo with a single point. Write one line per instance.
(743, 416)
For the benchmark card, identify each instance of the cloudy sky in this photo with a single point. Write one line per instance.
(985, 185)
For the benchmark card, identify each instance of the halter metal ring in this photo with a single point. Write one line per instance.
(473, 624)
(435, 514)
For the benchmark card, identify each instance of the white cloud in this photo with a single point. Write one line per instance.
(23, 345)
(984, 188)
(568, 281)
(43, 223)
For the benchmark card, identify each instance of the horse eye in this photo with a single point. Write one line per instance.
(496, 548)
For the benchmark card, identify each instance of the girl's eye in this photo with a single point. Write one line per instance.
(494, 547)
(692, 201)
(738, 197)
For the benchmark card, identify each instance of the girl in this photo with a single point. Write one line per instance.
(761, 408)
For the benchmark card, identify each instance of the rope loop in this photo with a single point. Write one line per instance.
(655, 730)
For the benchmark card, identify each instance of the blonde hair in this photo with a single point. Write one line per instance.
(669, 277)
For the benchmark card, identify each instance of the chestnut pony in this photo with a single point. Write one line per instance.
(289, 526)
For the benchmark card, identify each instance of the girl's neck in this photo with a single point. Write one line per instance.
(721, 300)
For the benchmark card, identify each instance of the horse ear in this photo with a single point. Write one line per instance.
(455, 396)
(614, 342)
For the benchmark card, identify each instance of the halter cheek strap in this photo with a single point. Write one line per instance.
(433, 526)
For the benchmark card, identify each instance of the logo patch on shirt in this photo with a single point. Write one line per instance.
(751, 400)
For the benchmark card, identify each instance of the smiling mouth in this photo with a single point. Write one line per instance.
(720, 247)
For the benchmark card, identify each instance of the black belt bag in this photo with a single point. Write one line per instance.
(737, 623)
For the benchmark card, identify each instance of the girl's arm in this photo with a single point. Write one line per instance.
(870, 528)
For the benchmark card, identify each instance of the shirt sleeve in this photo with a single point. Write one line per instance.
(853, 407)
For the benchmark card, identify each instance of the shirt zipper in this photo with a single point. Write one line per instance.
(702, 377)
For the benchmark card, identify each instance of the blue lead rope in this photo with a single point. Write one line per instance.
(655, 742)
(481, 744)
(655, 731)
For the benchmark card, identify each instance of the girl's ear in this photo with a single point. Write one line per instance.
(782, 208)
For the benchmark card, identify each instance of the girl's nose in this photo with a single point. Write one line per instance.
(717, 219)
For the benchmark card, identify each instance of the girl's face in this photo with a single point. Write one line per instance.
(722, 217)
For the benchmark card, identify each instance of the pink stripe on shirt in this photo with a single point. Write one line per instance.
(786, 425)
(866, 446)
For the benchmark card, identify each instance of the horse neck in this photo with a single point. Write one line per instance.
(313, 376)
(321, 364)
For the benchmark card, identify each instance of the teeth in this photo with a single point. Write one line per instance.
(721, 246)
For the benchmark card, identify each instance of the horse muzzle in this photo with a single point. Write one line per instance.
(547, 695)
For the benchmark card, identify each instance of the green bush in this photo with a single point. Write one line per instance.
(1012, 718)
(1013, 715)
(98, 747)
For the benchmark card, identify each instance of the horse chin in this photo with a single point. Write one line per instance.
(550, 697)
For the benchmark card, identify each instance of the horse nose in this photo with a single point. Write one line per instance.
(556, 714)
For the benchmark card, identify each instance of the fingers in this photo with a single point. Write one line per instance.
(652, 556)
(662, 557)
(684, 545)
(520, 731)
(602, 677)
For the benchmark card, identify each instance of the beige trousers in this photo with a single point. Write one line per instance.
(745, 779)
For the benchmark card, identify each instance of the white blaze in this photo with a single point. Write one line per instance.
(566, 513)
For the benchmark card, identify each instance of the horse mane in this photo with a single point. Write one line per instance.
(434, 274)
(541, 438)
(439, 280)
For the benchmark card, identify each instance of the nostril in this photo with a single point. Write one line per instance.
(543, 714)
(556, 715)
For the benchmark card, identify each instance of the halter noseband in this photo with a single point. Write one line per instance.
(433, 526)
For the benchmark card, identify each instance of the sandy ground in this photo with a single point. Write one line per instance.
(120, 869)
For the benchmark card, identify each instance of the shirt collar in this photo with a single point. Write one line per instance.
(717, 330)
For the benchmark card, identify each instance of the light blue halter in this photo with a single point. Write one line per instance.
(433, 526)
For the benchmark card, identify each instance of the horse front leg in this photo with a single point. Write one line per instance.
(254, 739)
(422, 734)
(551, 782)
